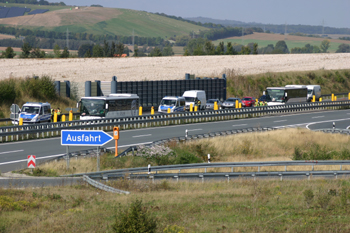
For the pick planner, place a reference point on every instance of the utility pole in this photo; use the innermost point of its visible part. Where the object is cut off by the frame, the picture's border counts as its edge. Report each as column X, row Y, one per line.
column 67, row 39
column 285, row 31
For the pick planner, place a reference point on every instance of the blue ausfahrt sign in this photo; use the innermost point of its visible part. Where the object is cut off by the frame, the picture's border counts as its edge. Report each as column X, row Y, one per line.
column 84, row 138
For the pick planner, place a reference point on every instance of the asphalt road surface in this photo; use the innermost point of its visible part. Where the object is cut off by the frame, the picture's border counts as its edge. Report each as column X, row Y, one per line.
column 13, row 155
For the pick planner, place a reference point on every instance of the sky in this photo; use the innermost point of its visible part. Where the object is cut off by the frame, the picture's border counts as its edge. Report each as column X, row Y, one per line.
column 331, row 13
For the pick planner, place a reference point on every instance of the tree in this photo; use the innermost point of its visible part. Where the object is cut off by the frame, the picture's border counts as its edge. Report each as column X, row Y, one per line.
column 220, row 49
column 88, row 53
column 209, row 48
column 343, row 48
column 245, row 50
column 156, row 52
column 324, row 46
column 255, row 48
column 37, row 53
column 97, row 51
column 168, row 51
column 9, row 53
column 26, row 50
column 112, row 50
column 105, row 48
column 65, row 53
column 136, row 49
column 282, row 46
column 57, row 51
column 120, row 49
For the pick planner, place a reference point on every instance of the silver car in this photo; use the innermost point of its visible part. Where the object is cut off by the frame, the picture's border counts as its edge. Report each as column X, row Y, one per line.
column 210, row 103
column 230, row 103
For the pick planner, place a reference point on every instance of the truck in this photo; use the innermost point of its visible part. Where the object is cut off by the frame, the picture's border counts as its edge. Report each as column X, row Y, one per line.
column 32, row 112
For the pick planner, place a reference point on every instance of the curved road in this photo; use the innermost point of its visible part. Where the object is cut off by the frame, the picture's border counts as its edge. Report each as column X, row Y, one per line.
column 13, row 155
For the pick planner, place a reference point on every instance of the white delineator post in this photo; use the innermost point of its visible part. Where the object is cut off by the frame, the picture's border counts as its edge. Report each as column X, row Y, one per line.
column 149, row 169
column 208, row 158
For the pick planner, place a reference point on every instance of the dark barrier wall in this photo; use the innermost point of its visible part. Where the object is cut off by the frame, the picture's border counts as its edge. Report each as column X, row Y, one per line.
column 152, row 92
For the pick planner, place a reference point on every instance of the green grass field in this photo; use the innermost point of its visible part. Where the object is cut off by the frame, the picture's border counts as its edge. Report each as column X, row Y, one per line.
column 291, row 44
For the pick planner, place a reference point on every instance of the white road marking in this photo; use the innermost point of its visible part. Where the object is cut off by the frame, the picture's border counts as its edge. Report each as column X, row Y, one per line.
column 25, row 160
column 139, row 136
column 280, row 121
column 317, row 117
column 194, row 130
column 8, row 152
column 239, row 125
column 312, row 123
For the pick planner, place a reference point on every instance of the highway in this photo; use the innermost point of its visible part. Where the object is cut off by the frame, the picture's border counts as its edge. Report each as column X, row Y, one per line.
column 13, row 155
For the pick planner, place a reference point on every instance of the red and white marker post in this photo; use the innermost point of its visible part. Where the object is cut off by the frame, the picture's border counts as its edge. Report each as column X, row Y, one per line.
column 31, row 161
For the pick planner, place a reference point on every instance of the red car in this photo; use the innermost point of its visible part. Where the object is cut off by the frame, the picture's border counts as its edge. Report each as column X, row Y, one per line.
column 248, row 101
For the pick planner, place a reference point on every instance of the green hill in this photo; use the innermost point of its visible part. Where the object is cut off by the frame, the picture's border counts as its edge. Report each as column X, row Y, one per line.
column 101, row 21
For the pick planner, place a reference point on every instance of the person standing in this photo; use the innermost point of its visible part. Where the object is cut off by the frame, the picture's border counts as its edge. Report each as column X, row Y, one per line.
column 58, row 114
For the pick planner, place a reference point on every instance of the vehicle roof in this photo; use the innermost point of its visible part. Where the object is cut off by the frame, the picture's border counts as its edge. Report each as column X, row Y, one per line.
column 112, row 97
column 287, row 88
column 36, row 104
column 173, row 97
column 233, row 98
column 248, row 97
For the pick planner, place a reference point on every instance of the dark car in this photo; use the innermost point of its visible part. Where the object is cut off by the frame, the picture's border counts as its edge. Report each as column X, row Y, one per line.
column 210, row 103
column 230, row 103
column 248, row 101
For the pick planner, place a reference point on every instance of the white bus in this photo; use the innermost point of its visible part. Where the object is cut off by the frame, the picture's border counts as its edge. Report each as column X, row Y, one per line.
column 112, row 106
column 286, row 95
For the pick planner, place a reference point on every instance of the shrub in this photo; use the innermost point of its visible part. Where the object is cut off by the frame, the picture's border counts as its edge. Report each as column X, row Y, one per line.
column 309, row 196
column 174, row 229
column 7, row 91
column 135, row 218
column 323, row 200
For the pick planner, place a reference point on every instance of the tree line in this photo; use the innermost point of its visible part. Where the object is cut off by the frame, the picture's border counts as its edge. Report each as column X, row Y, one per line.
column 34, row 2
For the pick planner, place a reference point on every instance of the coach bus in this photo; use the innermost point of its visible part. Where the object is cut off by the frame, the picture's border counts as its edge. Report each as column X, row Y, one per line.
column 286, row 95
column 111, row 106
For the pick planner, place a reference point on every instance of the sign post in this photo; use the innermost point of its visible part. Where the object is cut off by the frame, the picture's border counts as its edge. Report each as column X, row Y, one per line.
column 84, row 138
column 31, row 162
column 116, row 137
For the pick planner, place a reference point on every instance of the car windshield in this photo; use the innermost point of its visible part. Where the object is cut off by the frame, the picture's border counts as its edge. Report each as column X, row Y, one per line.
column 31, row 109
column 212, row 101
column 92, row 107
column 231, row 100
column 309, row 91
column 247, row 99
column 168, row 102
column 190, row 99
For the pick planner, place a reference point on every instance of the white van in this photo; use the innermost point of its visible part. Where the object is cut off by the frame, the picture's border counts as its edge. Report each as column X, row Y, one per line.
column 312, row 90
column 193, row 96
column 34, row 112
column 174, row 103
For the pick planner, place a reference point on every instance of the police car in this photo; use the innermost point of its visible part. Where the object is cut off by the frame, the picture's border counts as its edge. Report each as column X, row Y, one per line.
column 34, row 112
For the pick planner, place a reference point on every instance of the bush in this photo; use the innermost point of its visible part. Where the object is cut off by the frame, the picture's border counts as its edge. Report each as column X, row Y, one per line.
column 309, row 196
column 135, row 218
column 7, row 91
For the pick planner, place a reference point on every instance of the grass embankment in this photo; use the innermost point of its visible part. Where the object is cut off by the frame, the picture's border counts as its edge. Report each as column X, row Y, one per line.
column 280, row 145
column 238, row 206
column 20, row 91
column 331, row 81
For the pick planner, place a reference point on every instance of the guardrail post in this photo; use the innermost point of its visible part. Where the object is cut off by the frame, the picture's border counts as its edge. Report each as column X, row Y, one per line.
column 336, row 175
column 253, row 175
column 259, row 169
column 281, row 176
column 152, row 177
column 308, row 176
column 177, row 178
column 285, row 168
column 228, row 178
column 341, row 167
column 201, row 176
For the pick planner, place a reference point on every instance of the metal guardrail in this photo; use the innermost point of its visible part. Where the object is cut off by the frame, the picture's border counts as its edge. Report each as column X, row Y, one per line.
column 14, row 133
column 229, row 175
column 116, row 173
column 102, row 186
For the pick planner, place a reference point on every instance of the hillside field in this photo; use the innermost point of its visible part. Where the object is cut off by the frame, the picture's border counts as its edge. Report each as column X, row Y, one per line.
column 264, row 39
column 98, row 20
